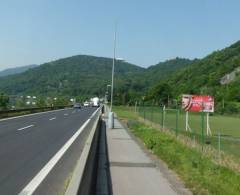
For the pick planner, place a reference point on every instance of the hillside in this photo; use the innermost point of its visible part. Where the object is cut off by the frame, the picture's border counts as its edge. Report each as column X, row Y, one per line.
column 84, row 75
column 163, row 70
column 16, row 70
column 204, row 77
column 77, row 75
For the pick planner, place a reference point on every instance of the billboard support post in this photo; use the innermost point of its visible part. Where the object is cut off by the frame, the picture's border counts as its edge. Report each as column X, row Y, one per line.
column 187, row 126
column 209, row 132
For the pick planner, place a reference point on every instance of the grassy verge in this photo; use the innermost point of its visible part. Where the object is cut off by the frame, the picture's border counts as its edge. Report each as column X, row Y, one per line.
column 199, row 173
column 227, row 126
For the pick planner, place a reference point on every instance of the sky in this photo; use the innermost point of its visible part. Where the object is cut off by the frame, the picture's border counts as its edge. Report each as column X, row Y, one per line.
column 148, row 31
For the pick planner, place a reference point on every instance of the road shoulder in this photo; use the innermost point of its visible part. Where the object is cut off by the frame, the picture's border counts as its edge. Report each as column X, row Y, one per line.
column 134, row 170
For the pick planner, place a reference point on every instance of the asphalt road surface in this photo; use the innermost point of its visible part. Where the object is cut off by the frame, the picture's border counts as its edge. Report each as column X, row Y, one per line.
column 28, row 143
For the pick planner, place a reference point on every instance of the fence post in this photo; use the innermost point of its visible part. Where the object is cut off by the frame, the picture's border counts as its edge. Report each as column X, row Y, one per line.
column 139, row 107
column 135, row 107
column 163, row 115
column 160, row 121
column 219, row 146
column 202, row 121
column 152, row 115
column 144, row 116
column 177, row 115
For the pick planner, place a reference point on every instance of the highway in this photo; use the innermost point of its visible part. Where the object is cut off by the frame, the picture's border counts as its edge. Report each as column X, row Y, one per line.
column 28, row 143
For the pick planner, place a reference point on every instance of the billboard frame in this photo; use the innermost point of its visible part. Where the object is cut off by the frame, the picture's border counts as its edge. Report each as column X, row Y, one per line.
column 188, row 107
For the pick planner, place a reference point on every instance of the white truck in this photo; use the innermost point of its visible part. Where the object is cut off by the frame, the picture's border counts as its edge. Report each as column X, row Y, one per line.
column 95, row 102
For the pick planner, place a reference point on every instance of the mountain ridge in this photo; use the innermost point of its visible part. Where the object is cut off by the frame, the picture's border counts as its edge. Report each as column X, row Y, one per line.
column 16, row 70
column 79, row 75
column 203, row 77
column 85, row 75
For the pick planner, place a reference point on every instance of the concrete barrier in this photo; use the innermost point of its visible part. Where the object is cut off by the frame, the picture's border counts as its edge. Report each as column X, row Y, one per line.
column 82, row 181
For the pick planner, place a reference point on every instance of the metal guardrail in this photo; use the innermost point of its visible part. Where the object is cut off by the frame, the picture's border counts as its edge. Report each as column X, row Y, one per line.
column 83, row 175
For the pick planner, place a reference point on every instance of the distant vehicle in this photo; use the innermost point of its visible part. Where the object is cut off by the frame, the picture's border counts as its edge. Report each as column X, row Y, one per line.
column 95, row 102
column 77, row 105
column 86, row 104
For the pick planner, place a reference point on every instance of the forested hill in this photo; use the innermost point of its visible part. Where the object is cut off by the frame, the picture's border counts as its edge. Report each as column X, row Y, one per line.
column 77, row 75
column 16, row 70
column 217, row 74
column 204, row 76
column 84, row 75
column 164, row 70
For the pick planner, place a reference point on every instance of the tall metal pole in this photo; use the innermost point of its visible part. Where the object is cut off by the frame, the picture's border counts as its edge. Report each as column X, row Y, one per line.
column 114, row 56
column 111, row 115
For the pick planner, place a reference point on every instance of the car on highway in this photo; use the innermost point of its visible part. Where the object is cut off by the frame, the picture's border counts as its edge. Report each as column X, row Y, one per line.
column 86, row 104
column 77, row 106
column 95, row 102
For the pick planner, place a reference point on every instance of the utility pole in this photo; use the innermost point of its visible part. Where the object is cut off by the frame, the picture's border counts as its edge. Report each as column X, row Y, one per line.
column 113, row 65
column 111, row 115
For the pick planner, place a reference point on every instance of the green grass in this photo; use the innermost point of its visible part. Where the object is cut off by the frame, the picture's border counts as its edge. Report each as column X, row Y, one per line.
column 199, row 173
column 226, row 125
column 125, row 112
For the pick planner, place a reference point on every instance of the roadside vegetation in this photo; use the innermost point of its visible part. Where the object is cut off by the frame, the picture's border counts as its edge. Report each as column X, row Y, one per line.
column 200, row 173
column 225, row 126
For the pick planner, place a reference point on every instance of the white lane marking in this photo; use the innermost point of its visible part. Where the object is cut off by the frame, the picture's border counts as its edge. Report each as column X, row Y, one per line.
column 20, row 129
column 26, row 115
column 37, row 180
column 66, row 114
column 94, row 113
column 52, row 118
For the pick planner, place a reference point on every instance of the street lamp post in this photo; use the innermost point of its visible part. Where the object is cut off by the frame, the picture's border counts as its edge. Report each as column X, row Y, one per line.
column 113, row 66
column 108, row 86
column 111, row 115
column 106, row 94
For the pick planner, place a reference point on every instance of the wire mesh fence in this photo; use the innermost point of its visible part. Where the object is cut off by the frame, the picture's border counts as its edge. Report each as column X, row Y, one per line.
column 221, row 133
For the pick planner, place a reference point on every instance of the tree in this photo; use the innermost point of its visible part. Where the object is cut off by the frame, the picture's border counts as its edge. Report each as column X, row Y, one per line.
column 41, row 102
column 61, row 101
column 4, row 101
column 161, row 94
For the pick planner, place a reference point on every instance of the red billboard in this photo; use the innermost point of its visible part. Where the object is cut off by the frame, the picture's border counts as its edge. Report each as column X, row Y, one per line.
column 198, row 103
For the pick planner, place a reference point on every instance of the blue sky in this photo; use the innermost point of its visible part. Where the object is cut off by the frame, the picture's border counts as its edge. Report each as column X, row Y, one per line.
column 149, row 31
